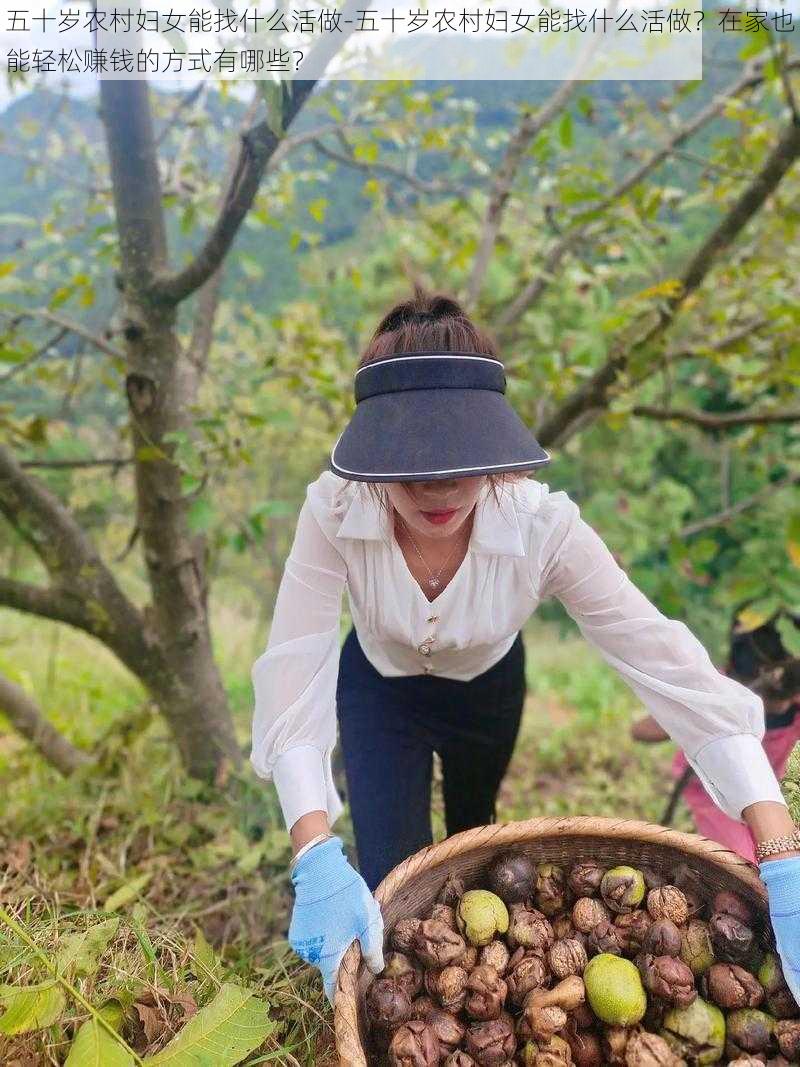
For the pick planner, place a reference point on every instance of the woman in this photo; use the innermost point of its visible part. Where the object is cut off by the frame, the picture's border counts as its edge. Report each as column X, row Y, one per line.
column 445, row 552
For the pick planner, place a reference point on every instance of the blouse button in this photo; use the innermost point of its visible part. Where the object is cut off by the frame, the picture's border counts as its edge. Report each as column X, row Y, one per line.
column 424, row 650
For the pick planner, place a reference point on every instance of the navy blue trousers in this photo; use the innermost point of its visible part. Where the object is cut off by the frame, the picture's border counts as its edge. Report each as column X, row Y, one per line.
column 389, row 729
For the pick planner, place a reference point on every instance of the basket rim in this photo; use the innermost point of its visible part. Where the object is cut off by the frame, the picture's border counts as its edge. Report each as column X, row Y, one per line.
column 506, row 835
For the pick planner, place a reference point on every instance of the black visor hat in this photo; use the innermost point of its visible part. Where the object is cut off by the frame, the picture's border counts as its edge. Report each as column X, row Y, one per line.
column 421, row 416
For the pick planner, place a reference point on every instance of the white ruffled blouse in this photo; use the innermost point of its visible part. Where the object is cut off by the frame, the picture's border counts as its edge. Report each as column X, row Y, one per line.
column 531, row 545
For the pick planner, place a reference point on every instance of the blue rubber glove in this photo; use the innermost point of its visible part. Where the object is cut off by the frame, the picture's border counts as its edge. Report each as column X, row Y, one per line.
column 332, row 908
column 782, row 879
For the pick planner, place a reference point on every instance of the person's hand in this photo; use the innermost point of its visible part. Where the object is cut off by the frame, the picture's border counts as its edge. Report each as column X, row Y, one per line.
column 333, row 907
column 782, row 879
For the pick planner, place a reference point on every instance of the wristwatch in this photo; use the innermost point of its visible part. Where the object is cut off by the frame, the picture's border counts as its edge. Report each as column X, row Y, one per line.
column 773, row 846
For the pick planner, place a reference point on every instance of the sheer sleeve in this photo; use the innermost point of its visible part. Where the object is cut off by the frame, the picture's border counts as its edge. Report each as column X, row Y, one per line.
column 718, row 722
column 294, row 679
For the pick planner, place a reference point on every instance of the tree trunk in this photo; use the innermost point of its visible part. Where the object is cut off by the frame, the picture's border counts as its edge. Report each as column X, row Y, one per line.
column 161, row 390
column 25, row 716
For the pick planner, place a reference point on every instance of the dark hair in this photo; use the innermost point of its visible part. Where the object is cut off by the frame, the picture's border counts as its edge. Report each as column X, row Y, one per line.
column 428, row 321
column 759, row 659
column 431, row 322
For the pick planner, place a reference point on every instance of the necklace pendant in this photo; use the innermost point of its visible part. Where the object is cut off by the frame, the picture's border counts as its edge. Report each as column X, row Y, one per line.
column 434, row 583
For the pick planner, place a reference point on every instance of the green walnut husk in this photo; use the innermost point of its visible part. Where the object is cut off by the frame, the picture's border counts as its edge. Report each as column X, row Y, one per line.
column 750, row 1029
column 697, row 952
column 697, row 1033
column 770, row 973
column 480, row 916
column 614, row 990
column 622, row 889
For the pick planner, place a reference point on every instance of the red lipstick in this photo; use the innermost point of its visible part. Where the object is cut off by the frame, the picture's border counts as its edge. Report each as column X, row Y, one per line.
column 439, row 518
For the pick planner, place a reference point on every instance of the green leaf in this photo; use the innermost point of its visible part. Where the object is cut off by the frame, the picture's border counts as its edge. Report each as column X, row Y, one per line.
column 565, row 130
column 790, row 635
column 83, row 950
column 206, row 957
column 759, row 42
column 201, row 515
column 316, row 208
column 95, row 1047
column 757, row 614
column 126, row 893
column 30, row 1007
column 221, row 1034
column 703, row 551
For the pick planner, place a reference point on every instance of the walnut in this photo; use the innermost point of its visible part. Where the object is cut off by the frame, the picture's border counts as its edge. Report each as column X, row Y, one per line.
column 497, row 955
column 448, row 986
column 436, row 944
column 529, row 928
column 388, row 1004
column 615, row 1043
column 448, row 1029
column 649, row 1050
column 584, row 1045
column 727, row 903
column 491, row 1044
column 564, row 927
column 670, row 979
column 605, row 937
column 469, row 958
column 567, row 957
column 527, row 973
column 587, row 912
column 402, row 934
column 569, row 994
column 445, row 914
column 414, row 1045
column 544, row 1022
column 668, row 902
column 404, row 972
column 732, row 939
column 730, row 986
column 787, row 1031
column 459, row 1059
column 662, row 939
column 550, row 890
column 422, row 1007
column 556, row 1052
column 584, row 879
column 486, row 993
column 633, row 927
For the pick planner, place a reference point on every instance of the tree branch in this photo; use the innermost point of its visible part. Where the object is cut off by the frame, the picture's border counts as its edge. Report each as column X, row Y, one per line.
column 593, row 394
column 535, row 289
column 95, row 602
column 77, row 328
column 26, row 717
column 209, row 293
column 68, row 464
column 60, row 604
column 418, row 184
column 255, row 151
column 725, row 516
column 529, row 128
column 709, row 421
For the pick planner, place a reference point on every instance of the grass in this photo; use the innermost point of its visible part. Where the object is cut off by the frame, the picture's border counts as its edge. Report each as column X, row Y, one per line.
column 197, row 877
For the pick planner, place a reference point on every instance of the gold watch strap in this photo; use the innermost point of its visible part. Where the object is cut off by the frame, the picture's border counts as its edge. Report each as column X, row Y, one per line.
column 775, row 845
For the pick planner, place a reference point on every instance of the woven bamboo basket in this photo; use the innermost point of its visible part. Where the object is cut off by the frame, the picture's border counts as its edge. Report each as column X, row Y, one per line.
column 411, row 888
